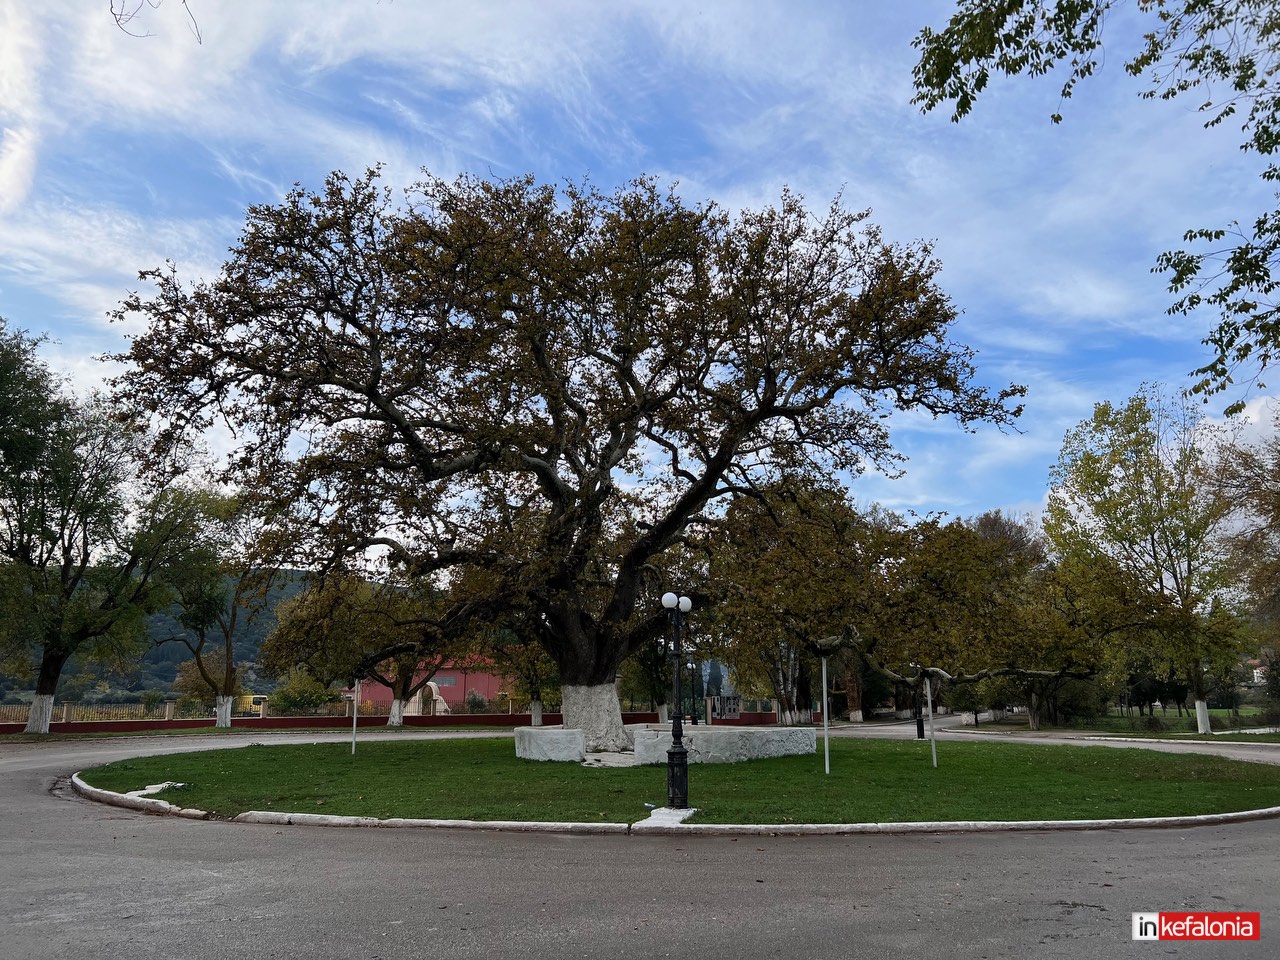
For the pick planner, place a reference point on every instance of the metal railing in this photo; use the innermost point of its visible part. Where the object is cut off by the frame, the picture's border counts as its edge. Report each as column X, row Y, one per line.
column 14, row 712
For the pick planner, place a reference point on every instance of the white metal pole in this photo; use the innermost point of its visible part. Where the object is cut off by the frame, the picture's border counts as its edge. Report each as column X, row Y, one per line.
column 826, row 718
column 355, row 715
column 933, row 742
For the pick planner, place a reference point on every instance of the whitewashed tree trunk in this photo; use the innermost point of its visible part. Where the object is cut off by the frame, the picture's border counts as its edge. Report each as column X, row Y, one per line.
column 535, row 713
column 794, row 716
column 223, row 706
column 396, row 717
column 40, row 715
column 595, row 711
column 1202, row 717
column 855, row 716
column 663, row 714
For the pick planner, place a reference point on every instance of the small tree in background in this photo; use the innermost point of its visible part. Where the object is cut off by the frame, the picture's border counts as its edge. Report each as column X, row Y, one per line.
column 1131, row 484
column 345, row 628
column 191, row 685
column 790, row 569
column 220, row 589
column 85, row 544
column 301, row 693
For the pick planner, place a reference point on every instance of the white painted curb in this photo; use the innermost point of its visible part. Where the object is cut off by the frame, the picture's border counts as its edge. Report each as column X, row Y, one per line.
column 281, row 818
column 951, row 826
column 664, row 821
column 145, row 804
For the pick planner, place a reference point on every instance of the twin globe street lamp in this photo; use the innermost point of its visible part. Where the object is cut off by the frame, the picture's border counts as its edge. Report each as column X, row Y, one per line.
column 677, row 756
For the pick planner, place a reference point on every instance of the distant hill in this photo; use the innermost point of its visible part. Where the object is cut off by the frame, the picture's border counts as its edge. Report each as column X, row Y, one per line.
column 159, row 665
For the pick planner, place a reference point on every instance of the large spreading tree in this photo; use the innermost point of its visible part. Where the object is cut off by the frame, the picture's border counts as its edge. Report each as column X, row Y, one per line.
column 546, row 384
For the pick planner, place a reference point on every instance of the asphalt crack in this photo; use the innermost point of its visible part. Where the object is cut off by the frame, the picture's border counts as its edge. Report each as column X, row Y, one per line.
column 61, row 789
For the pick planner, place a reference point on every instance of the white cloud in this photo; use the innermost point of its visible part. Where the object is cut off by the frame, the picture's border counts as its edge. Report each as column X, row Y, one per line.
column 120, row 152
column 17, row 166
column 20, row 59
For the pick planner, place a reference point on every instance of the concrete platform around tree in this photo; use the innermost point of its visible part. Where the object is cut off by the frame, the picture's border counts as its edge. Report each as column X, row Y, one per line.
column 726, row 744
column 550, row 743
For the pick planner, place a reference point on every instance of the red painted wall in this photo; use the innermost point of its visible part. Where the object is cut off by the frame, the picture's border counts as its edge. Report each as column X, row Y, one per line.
column 749, row 720
column 308, row 723
column 487, row 685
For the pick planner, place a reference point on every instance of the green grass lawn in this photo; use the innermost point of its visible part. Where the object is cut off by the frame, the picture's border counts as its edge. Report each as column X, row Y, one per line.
column 1161, row 726
column 1232, row 737
column 870, row 781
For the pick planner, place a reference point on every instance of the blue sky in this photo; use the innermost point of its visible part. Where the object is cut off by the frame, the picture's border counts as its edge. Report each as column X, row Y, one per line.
column 120, row 152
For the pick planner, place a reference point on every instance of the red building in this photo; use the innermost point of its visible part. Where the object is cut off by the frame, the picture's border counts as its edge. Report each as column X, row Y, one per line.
column 454, row 683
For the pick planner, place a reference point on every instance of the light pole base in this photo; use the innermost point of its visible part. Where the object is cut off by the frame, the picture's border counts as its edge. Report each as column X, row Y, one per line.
column 677, row 778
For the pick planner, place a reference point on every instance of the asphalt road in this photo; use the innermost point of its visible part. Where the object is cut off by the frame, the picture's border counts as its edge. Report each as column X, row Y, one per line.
column 82, row 880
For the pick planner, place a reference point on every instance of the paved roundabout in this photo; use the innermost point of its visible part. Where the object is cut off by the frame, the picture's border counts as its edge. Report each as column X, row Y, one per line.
column 82, row 879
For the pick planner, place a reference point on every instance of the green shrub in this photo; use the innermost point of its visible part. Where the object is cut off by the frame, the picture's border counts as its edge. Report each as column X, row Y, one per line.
column 151, row 700
column 301, row 693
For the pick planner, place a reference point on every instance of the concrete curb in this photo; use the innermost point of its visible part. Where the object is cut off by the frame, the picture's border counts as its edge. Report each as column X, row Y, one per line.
column 1116, row 738
column 325, row 820
column 951, row 826
column 1024, row 736
column 145, row 804
column 664, row 821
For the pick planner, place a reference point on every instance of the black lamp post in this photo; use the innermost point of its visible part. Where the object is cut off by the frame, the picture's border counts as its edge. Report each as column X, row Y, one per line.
column 677, row 756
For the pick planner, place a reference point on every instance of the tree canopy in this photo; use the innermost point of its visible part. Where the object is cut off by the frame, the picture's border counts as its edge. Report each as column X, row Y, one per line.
column 546, row 384
column 345, row 628
column 1226, row 53
column 1132, row 484
column 83, row 551
column 796, row 573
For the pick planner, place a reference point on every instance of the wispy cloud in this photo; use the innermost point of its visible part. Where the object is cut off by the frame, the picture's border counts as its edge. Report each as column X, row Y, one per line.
column 120, row 152
column 17, row 166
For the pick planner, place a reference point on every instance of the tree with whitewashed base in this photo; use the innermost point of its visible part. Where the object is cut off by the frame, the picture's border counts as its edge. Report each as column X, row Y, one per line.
column 547, row 385
column 84, row 545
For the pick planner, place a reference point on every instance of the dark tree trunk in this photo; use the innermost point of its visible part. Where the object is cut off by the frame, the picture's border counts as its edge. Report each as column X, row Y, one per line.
column 51, row 665
column 853, row 691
